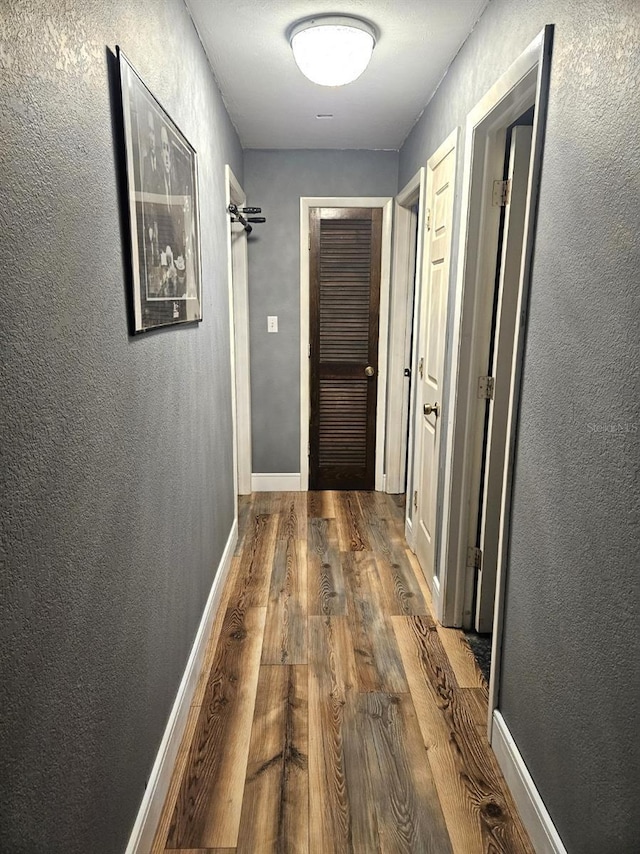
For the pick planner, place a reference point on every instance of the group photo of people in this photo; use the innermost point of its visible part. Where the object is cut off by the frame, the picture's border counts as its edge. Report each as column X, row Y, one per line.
column 164, row 210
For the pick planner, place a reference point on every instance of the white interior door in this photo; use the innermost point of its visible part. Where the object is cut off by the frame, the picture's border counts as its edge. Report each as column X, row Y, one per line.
column 505, row 327
column 431, row 345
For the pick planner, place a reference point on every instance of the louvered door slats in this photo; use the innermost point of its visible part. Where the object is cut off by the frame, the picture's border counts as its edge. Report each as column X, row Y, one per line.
column 343, row 416
column 344, row 282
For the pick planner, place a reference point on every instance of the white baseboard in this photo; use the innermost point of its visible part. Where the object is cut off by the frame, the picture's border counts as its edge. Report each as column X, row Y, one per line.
column 408, row 532
column 544, row 837
column 436, row 598
column 271, row 482
column 148, row 816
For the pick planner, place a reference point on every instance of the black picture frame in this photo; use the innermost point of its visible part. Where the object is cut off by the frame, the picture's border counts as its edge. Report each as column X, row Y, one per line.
column 162, row 195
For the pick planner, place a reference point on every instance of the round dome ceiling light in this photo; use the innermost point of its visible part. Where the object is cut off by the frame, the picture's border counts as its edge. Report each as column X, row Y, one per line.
column 332, row 50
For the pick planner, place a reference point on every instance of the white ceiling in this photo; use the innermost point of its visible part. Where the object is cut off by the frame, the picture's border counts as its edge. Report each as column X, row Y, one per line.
column 273, row 106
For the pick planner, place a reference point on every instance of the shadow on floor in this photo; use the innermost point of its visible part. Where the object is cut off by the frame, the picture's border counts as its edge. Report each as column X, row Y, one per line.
column 481, row 649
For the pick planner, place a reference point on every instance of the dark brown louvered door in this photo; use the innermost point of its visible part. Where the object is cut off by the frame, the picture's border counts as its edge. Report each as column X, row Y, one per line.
column 344, row 307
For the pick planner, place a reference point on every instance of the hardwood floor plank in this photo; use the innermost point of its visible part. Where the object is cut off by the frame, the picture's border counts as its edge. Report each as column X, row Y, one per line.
column 461, row 658
column 376, row 516
column 385, row 520
column 424, row 586
column 162, row 831
column 332, row 678
column 245, row 509
column 286, row 627
column 285, row 635
column 403, row 593
column 389, row 507
column 216, row 629
column 293, row 517
column 352, row 536
column 275, row 806
column 479, row 813
column 253, row 576
column 267, row 503
column 398, row 501
column 325, row 581
column 207, row 811
column 378, row 663
column 395, row 520
column 476, row 703
column 404, row 794
column 363, row 828
column 320, row 505
column 200, row 851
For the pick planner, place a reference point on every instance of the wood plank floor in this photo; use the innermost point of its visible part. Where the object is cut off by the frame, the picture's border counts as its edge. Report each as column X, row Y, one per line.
column 333, row 713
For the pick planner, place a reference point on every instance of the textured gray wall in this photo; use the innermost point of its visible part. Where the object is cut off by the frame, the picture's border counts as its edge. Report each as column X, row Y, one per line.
column 570, row 685
column 117, row 488
column 276, row 180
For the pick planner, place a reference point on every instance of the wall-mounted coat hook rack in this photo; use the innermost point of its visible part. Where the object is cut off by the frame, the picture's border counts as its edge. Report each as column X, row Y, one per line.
column 238, row 216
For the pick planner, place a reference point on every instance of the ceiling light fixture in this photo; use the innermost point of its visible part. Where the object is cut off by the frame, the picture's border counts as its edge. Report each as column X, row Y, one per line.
column 332, row 50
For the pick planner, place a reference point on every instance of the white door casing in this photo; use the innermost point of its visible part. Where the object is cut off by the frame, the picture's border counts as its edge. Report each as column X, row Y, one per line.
column 505, row 330
column 431, row 334
column 237, row 268
column 306, row 203
column 408, row 231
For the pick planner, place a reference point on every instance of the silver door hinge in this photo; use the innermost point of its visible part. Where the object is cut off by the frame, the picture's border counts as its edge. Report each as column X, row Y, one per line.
column 421, row 367
column 502, row 193
column 428, row 224
column 486, row 388
column 415, row 499
column 309, row 241
column 474, row 558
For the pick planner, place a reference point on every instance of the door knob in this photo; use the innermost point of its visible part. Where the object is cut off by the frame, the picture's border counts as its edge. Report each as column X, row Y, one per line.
column 430, row 409
column 369, row 371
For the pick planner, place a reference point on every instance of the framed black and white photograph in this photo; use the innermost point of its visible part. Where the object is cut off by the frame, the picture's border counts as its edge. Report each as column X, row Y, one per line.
column 162, row 189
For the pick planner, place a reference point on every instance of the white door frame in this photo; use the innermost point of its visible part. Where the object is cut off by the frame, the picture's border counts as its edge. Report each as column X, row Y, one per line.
column 484, row 526
column 526, row 82
column 238, row 273
column 306, row 203
column 408, row 232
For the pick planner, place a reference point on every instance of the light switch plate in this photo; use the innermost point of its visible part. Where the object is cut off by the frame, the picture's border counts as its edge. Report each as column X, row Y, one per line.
column 272, row 323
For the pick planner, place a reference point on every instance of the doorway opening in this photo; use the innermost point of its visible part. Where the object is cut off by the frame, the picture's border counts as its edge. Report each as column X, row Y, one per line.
column 306, row 412
column 487, row 343
column 344, row 265
column 511, row 197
